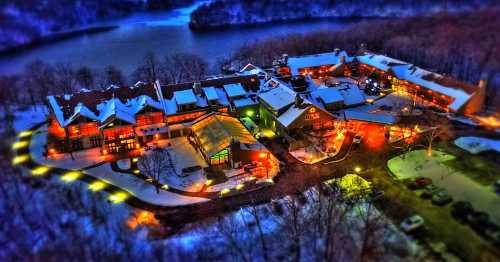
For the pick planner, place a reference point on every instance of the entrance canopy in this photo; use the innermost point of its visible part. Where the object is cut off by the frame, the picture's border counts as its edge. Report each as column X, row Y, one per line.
column 216, row 131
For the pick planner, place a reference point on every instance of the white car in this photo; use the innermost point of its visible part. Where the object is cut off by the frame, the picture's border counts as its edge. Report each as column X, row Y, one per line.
column 411, row 223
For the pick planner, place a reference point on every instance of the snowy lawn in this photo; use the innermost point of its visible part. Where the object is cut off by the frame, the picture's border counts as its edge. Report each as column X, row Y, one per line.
column 141, row 189
column 26, row 119
column 308, row 156
column 457, row 184
column 476, row 145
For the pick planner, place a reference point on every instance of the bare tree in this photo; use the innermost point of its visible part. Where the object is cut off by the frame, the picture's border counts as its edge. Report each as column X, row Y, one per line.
column 154, row 164
column 65, row 78
column 85, row 77
column 112, row 75
column 183, row 67
column 435, row 126
column 149, row 70
column 39, row 79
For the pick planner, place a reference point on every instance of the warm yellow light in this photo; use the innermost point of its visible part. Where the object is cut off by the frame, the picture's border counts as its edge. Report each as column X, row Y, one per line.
column 118, row 197
column 251, row 178
column 239, row 186
column 370, row 100
column 20, row 159
column 357, row 169
column 209, row 182
column 165, row 187
column 40, row 170
column 134, row 160
column 97, row 185
column 25, row 133
column 137, row 171
column 19, row 144
column 71, row 176
column 225, row 191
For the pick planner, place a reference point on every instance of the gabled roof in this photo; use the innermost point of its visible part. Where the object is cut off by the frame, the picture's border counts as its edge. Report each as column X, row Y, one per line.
column 299, row 62
column 328, row 95
column 278, row 97
column 234, row 90
column 184, row 97
column 210, row 93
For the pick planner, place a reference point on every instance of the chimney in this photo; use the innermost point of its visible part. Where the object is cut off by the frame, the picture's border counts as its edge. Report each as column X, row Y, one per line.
column 284, row 59
column 298, row 100
column 336, row 51
column 197, row 88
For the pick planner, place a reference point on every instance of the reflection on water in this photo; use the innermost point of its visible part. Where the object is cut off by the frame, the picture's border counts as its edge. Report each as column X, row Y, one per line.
column 161, row 32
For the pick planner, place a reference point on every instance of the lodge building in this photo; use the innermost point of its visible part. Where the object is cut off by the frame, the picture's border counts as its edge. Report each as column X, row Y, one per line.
column 290, row 98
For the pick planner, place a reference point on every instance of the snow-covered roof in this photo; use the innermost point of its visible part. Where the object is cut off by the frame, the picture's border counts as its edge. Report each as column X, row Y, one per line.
column 234, row 90
column 299, row 62
column 385, row 119
column 328, row 95
column 381, row 62
column 351, row 93
column 210, row 93
column 278, row 97
column 238, row 103
column 291, row 114
column 418, row 76
column 184, row 97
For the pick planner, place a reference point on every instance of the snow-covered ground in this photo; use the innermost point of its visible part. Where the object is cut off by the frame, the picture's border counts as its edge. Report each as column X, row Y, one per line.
column 239, row 235
column 309, row 156
column 458, row 185
column 26, row 118
column 476, row 145
column 80, row 159
column 141, row 189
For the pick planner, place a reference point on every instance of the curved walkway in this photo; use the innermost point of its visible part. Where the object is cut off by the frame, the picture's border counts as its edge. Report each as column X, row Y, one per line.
column 132, row 200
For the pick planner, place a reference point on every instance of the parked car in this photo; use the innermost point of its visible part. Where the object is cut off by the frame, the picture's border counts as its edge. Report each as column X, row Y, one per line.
column 412, row 223
column 429, row 191
column 441, row 198
column 461, row 209
column 479, row 221
column 191, row 169
column 420, row 182
column 357, row 139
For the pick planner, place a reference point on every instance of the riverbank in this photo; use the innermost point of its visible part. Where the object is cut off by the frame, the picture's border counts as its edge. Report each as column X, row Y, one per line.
column 54, row 38
column 226, row 13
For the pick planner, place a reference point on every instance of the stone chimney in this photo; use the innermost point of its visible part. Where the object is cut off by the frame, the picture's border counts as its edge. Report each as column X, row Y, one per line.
column 197, row 88
column 336, row 51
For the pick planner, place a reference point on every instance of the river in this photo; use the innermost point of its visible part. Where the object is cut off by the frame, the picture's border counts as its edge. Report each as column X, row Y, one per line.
column 163, row 33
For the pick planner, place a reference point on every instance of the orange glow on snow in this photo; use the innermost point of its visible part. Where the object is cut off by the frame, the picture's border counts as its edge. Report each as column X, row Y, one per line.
column 142, row 218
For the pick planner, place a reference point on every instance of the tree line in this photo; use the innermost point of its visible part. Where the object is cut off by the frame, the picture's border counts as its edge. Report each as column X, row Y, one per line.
column 465, row 45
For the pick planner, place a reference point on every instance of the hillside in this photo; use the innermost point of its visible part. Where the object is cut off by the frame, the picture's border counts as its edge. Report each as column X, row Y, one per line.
column 222, row 13
column 22, row 22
